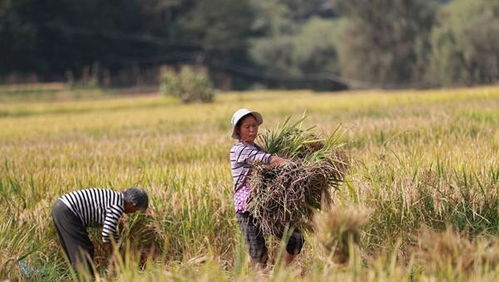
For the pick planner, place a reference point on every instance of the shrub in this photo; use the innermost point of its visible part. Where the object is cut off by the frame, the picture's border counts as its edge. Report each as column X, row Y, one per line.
column 190, row 84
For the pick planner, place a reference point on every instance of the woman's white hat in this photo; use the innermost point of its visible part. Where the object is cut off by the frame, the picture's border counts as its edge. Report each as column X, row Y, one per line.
column 239, row 114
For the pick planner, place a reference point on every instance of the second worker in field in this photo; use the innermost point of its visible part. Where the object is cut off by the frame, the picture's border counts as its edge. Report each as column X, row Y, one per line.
column 75, row 211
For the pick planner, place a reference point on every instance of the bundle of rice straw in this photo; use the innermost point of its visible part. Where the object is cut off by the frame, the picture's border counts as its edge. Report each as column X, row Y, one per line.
column 339, row 228
column 287, row 196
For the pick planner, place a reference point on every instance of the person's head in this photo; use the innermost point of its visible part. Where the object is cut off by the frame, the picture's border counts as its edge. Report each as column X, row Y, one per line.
column 245, row 125
column 135, row 199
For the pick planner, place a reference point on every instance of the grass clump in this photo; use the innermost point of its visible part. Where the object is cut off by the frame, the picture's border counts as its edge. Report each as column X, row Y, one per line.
column 287, row 196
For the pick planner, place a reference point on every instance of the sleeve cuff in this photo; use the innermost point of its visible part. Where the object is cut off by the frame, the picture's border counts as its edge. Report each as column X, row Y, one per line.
column 267, row 159
column 106, row 240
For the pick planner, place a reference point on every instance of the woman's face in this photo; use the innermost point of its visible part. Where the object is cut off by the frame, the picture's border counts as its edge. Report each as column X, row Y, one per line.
column 248, row 129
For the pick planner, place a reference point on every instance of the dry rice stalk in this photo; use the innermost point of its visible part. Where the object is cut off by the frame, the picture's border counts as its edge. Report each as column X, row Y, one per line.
column 287, row 196
column 144, row 236
column 450, row 248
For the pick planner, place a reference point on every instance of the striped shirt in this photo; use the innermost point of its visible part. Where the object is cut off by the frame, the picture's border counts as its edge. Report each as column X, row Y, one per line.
column 242, row 157
column 97, row 207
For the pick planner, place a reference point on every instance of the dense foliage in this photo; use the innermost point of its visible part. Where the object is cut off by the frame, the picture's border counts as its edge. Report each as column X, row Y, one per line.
column 320, row 44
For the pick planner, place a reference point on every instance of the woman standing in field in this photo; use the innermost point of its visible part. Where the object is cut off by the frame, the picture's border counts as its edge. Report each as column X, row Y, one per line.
column 243, row 155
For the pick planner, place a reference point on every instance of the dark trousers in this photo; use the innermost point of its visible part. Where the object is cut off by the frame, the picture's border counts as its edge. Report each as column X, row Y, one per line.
column 74, row 237
column 255, row 239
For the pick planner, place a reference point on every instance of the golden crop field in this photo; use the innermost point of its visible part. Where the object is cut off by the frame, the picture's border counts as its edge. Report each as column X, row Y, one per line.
column 424, row 169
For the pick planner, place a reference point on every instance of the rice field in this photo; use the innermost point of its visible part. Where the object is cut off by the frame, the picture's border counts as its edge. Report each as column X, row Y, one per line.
column 422, row 190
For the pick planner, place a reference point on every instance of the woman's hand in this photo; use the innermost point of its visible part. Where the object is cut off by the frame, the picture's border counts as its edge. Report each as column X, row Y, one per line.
column 108, row 249
column 276, row 161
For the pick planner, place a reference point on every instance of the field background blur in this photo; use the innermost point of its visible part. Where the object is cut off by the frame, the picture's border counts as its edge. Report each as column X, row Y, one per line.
column 313, row 44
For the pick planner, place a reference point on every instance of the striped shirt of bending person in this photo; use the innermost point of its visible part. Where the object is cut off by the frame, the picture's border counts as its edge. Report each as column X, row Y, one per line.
column 242, row 157
column 97, row 207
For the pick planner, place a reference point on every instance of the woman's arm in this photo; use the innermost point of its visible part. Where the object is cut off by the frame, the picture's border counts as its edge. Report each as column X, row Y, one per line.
column 250, row 155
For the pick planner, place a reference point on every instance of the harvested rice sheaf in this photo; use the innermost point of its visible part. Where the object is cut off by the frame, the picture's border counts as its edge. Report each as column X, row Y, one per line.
column 288, row 196
column 339, row 228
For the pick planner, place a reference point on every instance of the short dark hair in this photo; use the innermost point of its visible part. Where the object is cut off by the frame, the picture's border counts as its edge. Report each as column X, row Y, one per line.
column 136, row 196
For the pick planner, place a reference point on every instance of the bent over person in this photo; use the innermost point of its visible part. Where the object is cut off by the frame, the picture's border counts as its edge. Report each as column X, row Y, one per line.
column 95, row 207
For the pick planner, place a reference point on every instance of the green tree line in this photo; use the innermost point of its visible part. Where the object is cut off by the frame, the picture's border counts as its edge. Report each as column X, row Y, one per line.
column 321, row 44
